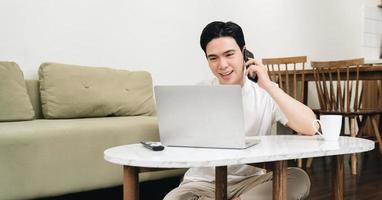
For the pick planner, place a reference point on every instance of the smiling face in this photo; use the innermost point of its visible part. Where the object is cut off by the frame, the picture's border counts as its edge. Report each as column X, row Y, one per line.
column 226, row 61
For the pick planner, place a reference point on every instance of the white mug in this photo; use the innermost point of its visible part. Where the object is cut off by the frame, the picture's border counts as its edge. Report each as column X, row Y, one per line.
column 330, row 126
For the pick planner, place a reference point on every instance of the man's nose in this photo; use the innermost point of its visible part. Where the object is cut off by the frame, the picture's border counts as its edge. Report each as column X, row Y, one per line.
column 223, row 63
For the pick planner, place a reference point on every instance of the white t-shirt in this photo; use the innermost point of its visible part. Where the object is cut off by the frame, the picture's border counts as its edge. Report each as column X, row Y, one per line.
column 260, row 112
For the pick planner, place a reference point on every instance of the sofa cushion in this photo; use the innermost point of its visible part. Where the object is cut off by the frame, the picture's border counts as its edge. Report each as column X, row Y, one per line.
column 15, row 104
column 33, row 89
column 72, row 91
column 52, row 157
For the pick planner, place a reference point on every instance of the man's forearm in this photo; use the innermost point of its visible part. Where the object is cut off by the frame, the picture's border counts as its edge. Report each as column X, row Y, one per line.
column 300, row 117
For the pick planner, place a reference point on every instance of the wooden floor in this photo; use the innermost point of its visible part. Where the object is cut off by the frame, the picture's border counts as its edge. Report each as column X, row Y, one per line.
column 367, row 185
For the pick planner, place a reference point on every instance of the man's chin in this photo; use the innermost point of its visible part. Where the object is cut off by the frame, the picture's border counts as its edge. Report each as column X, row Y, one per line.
column 226, row 82
column 230, row 81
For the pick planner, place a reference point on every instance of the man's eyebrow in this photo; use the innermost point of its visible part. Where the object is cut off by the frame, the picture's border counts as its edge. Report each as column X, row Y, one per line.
column 228, row 51
column 211, row 55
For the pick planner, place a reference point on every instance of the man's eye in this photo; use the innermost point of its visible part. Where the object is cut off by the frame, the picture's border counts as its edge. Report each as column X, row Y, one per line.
column 212, row 59
column 230, row 54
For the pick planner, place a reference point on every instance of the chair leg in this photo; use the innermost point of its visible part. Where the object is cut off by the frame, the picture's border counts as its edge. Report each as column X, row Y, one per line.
column 377, row 132
column 353, row 156
column 309, row 163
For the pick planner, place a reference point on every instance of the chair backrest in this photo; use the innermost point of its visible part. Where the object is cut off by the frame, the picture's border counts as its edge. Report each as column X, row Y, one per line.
column 336, row 89
column 283, row 71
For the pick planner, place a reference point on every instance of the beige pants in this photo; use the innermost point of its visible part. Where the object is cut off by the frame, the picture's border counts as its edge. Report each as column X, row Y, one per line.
column 259, row 188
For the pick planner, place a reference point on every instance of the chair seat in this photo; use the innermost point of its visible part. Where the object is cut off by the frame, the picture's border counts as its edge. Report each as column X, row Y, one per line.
column 350, row 113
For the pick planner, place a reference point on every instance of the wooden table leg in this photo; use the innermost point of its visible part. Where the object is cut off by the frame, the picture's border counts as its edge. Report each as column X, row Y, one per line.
column 338, row 177
column 377, row 132
column 280, row 176
column 221, row 183
column 130, row 183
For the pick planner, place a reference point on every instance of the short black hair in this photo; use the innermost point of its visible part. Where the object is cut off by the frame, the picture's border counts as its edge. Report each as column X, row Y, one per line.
column 218, row 29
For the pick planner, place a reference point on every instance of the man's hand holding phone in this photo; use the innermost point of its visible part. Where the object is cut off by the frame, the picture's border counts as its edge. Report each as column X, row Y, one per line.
column 256, row 66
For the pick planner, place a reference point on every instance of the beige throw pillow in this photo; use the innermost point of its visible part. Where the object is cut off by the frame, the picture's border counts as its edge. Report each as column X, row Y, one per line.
column 15, row 104
column 71, row 91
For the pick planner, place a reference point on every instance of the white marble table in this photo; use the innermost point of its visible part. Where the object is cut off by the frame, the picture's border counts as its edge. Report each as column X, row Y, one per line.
column 135, row 158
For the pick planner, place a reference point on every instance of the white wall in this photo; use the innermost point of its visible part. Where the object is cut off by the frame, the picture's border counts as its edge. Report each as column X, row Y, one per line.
column 163, row 36
column 372, row 30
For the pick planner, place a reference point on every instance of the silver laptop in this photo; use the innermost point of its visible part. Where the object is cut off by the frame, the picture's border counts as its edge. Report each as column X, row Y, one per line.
column 201, row 116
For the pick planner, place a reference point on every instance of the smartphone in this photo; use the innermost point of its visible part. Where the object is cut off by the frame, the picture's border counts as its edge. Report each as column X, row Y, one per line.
column 247, row 56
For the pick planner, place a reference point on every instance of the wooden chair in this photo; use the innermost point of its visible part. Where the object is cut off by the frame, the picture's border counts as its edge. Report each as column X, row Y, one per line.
column 340, row 94
column 289, row 84
column 289, row 80
column 373, row 90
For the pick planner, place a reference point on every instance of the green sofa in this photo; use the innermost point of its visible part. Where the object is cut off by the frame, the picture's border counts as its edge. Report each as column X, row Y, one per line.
column 49, row 156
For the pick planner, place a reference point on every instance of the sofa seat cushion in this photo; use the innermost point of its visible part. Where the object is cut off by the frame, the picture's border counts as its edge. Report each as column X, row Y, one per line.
column 72, row 91
column 15, row 104
column 52, row 157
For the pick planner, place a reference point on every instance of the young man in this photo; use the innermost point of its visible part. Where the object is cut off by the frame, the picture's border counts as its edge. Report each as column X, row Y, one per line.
column 264, row 103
